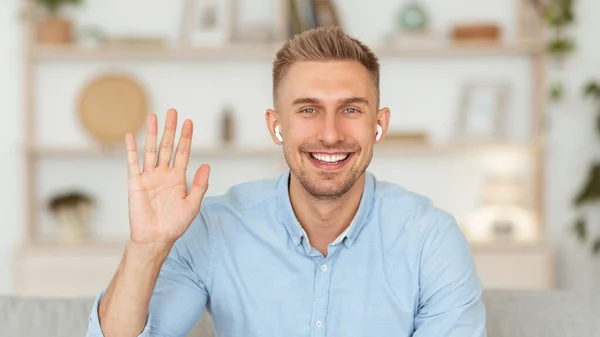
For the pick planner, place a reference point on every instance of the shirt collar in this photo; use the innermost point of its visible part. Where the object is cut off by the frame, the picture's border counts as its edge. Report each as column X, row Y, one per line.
column 296, row 232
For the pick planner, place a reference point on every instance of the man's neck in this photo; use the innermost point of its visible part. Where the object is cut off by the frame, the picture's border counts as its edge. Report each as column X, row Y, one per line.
column 324, row 220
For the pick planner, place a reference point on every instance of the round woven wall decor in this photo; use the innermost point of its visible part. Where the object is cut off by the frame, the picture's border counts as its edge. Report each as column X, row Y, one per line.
column 112, row 105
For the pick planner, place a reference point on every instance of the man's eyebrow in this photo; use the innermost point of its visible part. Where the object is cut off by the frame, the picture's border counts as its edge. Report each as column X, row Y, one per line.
column 352, row 100
column 343, row 101
column 306, row 100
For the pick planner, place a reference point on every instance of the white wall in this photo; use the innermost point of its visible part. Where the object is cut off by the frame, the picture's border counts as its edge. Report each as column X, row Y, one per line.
column 11, row 202
column 441, row 77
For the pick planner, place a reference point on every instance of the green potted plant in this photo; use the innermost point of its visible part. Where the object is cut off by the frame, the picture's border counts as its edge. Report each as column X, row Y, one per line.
column 559, row 16
column 589, row 192
column 53, row 27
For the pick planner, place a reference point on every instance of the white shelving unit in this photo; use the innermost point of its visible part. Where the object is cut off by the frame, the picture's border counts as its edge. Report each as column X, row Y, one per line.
column 534, row 148
column 36, row 55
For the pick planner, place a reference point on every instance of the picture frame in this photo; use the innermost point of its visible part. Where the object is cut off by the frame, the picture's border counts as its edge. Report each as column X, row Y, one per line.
column 208, row 22
column 483, row 111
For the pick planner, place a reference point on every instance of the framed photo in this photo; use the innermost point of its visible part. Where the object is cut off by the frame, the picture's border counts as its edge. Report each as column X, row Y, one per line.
column 482, row 114
column 207, row 22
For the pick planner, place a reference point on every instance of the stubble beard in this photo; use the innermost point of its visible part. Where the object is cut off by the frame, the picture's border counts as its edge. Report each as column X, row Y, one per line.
column 319, row 184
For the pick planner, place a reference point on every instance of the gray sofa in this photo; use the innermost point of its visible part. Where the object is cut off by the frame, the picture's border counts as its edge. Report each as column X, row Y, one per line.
column 509, row 314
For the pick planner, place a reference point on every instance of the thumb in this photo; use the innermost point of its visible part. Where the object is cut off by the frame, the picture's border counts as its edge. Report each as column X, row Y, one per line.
column 199, row 186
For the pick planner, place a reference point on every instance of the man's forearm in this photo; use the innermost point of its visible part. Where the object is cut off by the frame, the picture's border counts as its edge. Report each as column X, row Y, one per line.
column 124, row 307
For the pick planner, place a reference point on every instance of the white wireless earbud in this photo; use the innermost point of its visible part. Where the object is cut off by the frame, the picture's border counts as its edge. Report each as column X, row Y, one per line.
column 278, row 134
column 379, row 133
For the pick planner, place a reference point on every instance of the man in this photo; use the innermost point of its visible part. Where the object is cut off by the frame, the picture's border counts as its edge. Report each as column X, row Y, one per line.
column 323, row 250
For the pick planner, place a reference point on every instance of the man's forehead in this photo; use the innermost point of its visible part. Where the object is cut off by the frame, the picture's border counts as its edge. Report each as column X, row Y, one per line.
column 328, row 79
column 323, row 66
column 305, row 78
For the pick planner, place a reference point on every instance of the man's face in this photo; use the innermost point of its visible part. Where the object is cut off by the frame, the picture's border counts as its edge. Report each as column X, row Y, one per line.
column 327, row 111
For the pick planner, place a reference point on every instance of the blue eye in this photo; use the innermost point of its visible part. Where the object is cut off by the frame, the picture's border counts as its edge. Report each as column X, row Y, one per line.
column 351, row 110
column 308, row 110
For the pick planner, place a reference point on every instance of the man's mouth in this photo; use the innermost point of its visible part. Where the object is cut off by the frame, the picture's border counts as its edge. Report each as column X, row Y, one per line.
column 329, row 158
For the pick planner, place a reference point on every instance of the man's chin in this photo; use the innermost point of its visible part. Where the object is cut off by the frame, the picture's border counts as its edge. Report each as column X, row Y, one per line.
column 328, row 185
column 322, row 194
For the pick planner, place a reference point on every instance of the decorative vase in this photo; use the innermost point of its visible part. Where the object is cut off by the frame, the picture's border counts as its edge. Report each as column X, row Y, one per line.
column 73, row 224
column 227, row 126
column 413, row 17
column 72, row 213
column 54, row 29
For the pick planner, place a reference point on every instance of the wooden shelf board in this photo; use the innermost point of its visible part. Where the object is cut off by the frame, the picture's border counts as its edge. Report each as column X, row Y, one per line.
column 233, row 51
column 386, row 149
column 266, row 52
column 49, row 247
column 509, row 246
column 223, row 151
column 463, row 49
column 452, row 148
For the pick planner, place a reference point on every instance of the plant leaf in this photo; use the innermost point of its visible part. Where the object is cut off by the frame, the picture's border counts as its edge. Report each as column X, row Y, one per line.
column 556, row 92
column 580, row 229
column 54, row 5
column 591, row 89
column 591, row 189
column 561, row 45
column 560, row 13
column 596, row 246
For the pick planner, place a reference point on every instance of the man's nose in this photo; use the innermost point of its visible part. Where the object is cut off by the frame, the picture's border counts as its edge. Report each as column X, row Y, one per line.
column 330, row 130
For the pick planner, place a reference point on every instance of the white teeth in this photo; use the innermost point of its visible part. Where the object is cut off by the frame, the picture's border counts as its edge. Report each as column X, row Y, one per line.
column 330, row 158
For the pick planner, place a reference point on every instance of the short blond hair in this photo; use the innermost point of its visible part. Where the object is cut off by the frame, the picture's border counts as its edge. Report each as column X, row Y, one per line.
column 324, row 44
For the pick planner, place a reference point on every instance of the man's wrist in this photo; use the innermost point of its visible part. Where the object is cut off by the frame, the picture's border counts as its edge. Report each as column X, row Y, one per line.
column 147, row 254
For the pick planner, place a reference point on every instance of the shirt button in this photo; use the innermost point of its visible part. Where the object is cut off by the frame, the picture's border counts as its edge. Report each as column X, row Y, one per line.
column 324, row 267
column 319, row 324
column 295, row 239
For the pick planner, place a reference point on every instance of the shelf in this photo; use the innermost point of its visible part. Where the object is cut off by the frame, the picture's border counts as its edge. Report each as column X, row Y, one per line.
column 509, row 246
column 267, row 52
column 224, row 151
column 227, row 52
column 93, row 247
column 454, row 148
column 387, row 149
column 463, row 49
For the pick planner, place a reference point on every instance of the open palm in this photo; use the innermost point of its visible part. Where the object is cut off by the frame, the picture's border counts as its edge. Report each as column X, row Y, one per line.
column 160, row 206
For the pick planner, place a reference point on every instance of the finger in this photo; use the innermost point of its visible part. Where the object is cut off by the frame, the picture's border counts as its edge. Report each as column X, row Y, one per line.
column 199, row 186
column 165, row 150
column 150, row 146
column 132, row 156
column 182, row 154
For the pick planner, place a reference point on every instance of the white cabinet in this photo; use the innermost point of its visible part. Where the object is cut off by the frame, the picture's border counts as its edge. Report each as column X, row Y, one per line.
column 66, row 271
column 515, row 265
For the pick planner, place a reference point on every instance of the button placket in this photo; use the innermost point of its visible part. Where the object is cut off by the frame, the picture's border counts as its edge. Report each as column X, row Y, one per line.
column 322, row 286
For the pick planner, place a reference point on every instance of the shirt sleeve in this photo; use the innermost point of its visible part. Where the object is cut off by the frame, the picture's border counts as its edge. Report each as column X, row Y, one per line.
column 450, row 292
column 180, row 294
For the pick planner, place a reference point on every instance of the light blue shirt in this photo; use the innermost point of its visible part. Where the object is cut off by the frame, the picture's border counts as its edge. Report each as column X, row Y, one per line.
column 403, row 268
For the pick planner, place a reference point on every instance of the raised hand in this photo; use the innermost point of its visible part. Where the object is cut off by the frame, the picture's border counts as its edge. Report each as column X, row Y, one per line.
column 160, row 206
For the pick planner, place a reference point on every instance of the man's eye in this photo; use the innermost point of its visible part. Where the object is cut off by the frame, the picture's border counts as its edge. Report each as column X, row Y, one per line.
column 308, row 110
column 351, row 110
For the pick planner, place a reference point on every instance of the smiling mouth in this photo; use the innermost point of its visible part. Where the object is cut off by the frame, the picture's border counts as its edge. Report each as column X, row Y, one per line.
column 330, row 158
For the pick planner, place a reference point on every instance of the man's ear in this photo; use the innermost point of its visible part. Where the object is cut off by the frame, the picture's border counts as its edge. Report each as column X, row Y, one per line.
column 383, row 120
column 272, row 119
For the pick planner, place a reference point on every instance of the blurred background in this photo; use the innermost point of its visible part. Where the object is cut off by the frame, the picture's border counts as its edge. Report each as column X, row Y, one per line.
column 494, row 117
